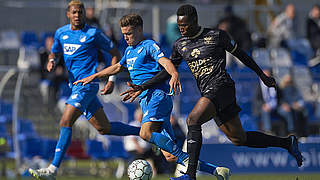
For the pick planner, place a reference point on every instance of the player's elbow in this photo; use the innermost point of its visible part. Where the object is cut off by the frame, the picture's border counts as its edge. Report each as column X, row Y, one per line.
column 145, row 135
column 238, row 141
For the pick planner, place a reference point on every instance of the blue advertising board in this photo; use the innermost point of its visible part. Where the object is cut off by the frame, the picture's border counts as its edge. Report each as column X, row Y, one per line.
column 261, row 160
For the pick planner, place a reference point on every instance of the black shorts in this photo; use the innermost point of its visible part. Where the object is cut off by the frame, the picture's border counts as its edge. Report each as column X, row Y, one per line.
column 224, row 98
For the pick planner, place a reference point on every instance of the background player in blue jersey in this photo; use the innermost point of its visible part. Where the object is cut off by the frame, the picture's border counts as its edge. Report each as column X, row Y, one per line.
column 79, row 44
column 143, row 58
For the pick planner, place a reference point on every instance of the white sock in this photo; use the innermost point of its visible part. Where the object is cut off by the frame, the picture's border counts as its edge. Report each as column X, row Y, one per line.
column 53, row 168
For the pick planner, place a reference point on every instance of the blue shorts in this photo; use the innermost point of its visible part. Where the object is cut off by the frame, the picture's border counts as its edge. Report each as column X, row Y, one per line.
column 85, row 99
column 156, row 106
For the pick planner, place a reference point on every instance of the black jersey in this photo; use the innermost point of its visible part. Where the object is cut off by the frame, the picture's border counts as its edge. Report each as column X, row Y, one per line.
column 205, row 54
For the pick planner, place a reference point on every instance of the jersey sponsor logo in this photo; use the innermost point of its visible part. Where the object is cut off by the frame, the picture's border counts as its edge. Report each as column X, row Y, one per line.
column 65, row 37
column 160, row 55
column 195, row 53
column 130, row 62
column 156, row 46
column 83, row 39
column 200, row 67
column 139, row 51
column 69, row 49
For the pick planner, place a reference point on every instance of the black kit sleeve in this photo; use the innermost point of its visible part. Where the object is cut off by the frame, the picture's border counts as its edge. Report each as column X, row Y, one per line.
column 163, row 75
column 231, row 46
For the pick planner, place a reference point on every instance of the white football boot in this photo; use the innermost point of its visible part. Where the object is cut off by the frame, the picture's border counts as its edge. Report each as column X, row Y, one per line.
column 222, row 173
column 43, row 174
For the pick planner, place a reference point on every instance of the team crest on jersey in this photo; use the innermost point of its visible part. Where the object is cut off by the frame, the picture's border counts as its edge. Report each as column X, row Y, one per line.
column 130, row 62
column 195, row 53
column 69, row 49
column 65, row 37
column 83, row 39
column 208, row 40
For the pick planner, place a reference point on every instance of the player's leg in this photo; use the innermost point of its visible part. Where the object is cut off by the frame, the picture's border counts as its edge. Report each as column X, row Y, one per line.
column 234, row 131
column 70, row 115
column 202, row 112
column 150, row 131
column 156, row 108
column 100, row 121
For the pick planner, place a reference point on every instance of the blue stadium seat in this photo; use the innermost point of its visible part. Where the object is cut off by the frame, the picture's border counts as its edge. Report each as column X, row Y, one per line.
column 26, row 129
column 96, row 150
column 116, row 150
column 3, row 130
column 43, row 37
column 29, row 38
column 31, row 147
column 6, row 110
column 298, row 58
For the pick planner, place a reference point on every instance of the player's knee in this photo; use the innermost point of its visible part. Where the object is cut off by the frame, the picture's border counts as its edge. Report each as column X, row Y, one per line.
column 103, row 130
column 170, row 158
column 192, row 119
column 65, row 123
column 145, row 135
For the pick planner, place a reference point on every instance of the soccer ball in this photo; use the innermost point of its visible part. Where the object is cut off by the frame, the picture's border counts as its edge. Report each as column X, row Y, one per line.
column 140, row 170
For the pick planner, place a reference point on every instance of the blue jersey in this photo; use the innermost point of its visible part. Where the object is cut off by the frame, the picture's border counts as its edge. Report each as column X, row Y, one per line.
column 80, row 49
column 142, row 62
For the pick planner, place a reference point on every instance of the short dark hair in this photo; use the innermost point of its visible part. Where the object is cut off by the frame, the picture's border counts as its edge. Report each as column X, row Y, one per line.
column 187, row 10
column 75, row 3
column 134, row 20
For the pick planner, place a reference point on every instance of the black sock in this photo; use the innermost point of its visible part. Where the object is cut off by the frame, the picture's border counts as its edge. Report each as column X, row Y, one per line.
column 260, row 140
column 194, row 142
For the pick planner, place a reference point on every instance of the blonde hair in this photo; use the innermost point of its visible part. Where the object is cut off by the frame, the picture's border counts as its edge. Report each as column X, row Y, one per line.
column 75, row 3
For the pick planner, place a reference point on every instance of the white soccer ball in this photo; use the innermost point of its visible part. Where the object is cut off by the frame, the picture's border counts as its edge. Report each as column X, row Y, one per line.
column 140, row 170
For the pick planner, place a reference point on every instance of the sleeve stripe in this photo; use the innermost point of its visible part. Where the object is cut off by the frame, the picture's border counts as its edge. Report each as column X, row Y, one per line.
column 235, row 47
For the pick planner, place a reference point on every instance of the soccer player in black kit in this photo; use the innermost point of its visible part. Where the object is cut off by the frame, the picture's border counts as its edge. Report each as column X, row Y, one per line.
column 204, row 51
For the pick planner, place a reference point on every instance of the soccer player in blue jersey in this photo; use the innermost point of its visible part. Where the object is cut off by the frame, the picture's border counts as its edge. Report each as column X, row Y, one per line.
column 143, row 58
column 79, row 44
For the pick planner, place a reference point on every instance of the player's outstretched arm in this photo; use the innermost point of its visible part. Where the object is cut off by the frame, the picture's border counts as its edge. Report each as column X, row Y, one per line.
column 111, row 70
column 248, row 61
column 175, row 85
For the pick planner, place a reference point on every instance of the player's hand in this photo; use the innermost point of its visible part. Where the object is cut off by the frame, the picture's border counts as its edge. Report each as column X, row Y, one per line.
column 268, row 81
column 175, row 86
column 108, row 88
column 51, row 65
column 132, row 93
column 85, row 81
